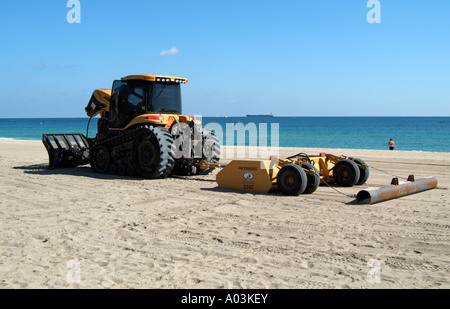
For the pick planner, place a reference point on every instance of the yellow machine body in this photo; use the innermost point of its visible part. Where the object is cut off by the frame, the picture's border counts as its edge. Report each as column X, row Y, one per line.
column 157, row 78
column 249, row 175
column 262, row 176
column 165, row 120
column 323, row 163
column 141, row 130
column 100, row 104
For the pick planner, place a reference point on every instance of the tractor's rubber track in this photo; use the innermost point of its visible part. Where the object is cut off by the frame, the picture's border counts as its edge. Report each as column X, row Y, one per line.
column 123, row 157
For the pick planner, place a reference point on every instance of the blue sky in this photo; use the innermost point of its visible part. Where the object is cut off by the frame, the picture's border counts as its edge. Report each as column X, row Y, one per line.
column 300, row 57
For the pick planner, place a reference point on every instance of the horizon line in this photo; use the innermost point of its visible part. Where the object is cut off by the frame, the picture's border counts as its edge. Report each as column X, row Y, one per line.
column 243, row 116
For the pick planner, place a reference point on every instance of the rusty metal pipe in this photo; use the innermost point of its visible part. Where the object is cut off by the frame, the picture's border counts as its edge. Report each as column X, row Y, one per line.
column 381, row 194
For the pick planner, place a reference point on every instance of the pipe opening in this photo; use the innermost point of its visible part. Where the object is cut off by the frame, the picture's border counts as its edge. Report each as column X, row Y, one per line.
column 364, row 197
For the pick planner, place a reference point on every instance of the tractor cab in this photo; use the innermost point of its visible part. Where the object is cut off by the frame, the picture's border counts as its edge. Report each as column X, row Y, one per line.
column 136, row 95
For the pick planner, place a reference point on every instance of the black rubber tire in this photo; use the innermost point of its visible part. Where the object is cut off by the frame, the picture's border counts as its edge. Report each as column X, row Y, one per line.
column 364, row 174
column 100, row 159
column 152, row 153
column 292, row 180
column 313, row 181
column 211, row 150
column 346, row 173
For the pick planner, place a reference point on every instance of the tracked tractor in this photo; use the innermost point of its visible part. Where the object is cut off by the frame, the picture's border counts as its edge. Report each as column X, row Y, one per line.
column 141, row 131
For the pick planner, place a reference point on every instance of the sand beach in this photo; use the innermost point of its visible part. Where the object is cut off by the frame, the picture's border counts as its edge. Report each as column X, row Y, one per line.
column 73, row 228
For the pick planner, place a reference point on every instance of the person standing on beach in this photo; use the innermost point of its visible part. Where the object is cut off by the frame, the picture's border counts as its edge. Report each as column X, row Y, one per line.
column 391, row 144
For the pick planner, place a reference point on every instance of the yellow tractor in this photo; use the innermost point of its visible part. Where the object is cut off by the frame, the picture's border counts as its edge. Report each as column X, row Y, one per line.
column 141, row 131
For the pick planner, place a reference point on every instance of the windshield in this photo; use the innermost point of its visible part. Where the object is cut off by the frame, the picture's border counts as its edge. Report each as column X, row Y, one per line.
column 164, row 98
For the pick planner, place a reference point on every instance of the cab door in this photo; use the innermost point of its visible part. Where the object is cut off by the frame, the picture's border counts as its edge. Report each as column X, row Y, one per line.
column 128, row 100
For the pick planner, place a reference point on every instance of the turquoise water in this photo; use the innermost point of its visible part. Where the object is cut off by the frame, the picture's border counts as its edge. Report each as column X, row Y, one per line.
column 409, row 133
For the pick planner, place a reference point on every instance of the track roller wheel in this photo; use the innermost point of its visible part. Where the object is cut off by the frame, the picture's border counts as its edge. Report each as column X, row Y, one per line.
column 346, row 173
column 100, row 159
column 364, row 173
column 121, row 169
column 292, row 180
column 112, row 168
column 313, row 181
column 130, row 170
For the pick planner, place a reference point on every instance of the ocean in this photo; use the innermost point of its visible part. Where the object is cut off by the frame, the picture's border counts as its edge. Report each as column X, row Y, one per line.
column 409, row 133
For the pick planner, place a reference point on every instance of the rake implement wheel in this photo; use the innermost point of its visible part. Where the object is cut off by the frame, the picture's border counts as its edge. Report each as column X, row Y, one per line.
column 346, row 173
column 313, row 181
column 292, row 180
column 364, row 173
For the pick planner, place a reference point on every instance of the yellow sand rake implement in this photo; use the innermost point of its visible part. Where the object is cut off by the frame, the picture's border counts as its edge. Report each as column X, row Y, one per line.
column 298, row 174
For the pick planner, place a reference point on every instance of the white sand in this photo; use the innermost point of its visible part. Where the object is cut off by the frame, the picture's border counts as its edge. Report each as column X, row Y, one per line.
column 72, row 228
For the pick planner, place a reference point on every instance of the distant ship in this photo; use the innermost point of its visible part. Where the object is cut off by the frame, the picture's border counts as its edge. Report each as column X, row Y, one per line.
column 264, row 115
